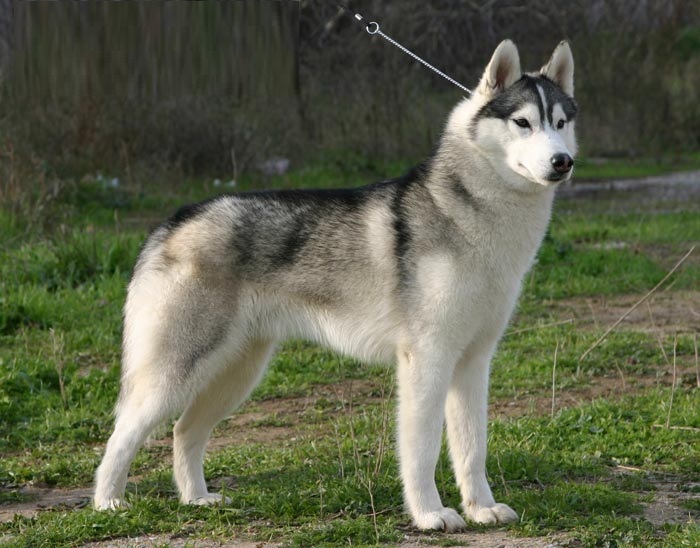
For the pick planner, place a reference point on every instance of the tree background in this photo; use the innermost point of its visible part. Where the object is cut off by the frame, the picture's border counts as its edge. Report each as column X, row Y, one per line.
column 637, row 67
column 216, row 88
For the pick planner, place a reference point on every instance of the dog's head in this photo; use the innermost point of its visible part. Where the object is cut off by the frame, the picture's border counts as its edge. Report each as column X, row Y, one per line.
column 523, row 123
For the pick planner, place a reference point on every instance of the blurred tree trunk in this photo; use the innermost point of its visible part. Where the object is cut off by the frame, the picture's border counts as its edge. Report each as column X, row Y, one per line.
column 184, row 84
column 6, row 36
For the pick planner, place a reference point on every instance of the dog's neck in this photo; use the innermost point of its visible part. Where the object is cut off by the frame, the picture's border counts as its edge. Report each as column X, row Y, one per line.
column 488, row 203
column 489, row 179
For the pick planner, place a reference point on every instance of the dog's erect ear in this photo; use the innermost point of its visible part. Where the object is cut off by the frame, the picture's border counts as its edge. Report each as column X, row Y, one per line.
column 560, row 68
column 502, row 71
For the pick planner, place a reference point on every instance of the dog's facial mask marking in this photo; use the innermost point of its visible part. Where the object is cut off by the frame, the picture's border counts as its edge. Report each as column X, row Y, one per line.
column 528, row 119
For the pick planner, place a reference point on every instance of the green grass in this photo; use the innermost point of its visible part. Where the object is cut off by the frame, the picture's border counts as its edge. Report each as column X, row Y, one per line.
column 608, row 254
column 61, row 293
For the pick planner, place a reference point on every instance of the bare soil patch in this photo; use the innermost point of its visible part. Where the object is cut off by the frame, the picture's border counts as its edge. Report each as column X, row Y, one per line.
column 540, row 403
column 157, row 541
column 276, row 419
column 666, row 508
column 666, row 312
column 251, row 423
column 489, row 539
column 44, row 498
column 668, row 493
column 482, row 539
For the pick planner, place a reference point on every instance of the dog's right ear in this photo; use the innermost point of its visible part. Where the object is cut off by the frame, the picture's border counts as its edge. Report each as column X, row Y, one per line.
column 502, row 71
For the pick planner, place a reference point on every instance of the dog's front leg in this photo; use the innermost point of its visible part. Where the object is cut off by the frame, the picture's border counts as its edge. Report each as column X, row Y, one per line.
column 423, row 382
column 466, row 409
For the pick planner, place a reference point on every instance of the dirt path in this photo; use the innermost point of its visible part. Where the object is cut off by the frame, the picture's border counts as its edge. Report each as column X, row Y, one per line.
column 487, row 539
column 683, row 187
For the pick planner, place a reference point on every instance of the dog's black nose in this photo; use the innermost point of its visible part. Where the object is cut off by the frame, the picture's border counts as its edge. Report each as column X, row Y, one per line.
column 562, row 163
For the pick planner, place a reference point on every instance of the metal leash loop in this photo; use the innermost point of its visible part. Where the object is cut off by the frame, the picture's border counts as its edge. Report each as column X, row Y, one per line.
column 372, row 28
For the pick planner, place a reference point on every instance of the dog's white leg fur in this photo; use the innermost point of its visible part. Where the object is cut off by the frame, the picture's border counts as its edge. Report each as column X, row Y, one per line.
column 140, row 411
column 422, row 385
column 191, row 432
column 466, row 411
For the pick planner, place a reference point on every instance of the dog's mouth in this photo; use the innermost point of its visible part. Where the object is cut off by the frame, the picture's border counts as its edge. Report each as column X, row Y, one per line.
column 557, row 178
column 552, row 179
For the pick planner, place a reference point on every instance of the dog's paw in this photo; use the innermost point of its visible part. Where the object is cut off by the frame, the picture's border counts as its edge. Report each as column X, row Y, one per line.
column 497, row 513
column 210, row 499
column 447, row 520
column 111, row 504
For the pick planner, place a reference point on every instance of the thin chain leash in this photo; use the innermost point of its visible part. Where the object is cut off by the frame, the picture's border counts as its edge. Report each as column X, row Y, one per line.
column 372, row 28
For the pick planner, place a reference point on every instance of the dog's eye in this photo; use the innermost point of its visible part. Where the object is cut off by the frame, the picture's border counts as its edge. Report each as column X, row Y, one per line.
column 521, row 122
column 560, row 124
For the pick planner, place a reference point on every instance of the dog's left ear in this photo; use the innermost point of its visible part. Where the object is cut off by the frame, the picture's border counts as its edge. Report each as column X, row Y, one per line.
column 560, row 68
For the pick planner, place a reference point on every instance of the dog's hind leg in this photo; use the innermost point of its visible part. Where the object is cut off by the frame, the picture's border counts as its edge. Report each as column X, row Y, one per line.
column 220, row 396
column 142, row 407
column 165, row 338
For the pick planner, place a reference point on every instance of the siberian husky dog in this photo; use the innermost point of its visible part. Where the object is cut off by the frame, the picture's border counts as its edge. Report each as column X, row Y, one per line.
column 423, row 271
